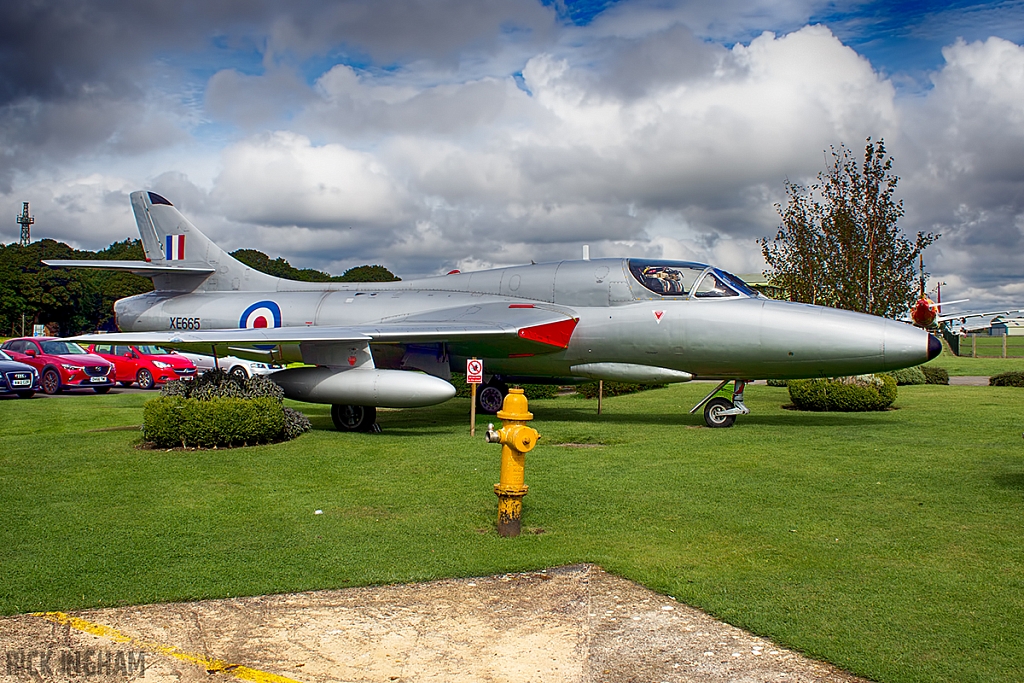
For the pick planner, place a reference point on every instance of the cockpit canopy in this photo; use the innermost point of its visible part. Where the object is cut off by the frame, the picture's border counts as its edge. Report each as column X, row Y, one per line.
column 688, row 279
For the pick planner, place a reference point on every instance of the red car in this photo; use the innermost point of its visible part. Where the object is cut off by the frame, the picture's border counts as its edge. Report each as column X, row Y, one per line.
column 62, row 364
column 147, row 365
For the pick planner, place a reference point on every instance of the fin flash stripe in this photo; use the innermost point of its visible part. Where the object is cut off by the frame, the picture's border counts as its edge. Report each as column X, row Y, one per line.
column 175, row 248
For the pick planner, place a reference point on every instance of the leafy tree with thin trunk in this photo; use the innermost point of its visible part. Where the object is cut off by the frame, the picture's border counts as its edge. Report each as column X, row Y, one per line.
column 840, row 243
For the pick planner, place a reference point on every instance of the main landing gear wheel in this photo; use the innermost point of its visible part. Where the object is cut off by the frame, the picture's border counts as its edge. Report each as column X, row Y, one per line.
column 348, row 418
column 713, row 410
column 490, row 397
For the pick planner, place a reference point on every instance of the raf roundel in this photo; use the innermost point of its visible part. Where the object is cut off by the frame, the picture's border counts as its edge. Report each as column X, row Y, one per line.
column 261, row 314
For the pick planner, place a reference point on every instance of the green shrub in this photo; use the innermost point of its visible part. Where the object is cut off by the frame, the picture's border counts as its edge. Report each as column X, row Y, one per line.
column 844, row 394
column 778, row 382
column 295, row 423
column 217, row 383
column 590, row 389
column 935, row 375
column 907, row 376
column 170, row 421
column 1014, row 378
column 220, row 409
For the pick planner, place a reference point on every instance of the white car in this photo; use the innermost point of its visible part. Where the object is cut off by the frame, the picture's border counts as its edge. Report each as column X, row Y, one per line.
column 236, row 366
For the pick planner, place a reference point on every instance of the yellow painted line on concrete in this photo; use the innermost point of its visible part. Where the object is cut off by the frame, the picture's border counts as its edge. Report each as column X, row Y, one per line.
column 211, row 665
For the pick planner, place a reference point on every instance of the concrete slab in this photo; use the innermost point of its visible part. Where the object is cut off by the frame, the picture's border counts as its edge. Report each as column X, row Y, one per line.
column 572, row 624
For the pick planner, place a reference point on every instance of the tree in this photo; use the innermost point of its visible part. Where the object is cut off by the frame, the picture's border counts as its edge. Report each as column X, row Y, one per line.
column 368, row 274
column 840, row 244
column 279, row 267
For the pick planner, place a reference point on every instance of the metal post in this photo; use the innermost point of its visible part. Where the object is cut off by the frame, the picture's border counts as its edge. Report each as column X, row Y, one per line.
column 600, row 394
column 1004, row 341
column 472, row 409
column 974, row 346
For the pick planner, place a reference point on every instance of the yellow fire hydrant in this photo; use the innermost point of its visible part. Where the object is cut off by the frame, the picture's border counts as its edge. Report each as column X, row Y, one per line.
column 516, row 440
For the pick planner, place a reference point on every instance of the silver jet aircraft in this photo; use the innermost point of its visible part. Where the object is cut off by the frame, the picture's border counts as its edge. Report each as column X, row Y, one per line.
column 625, row 319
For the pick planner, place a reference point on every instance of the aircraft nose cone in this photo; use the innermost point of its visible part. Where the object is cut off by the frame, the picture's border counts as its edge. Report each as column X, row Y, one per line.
column 934, row 346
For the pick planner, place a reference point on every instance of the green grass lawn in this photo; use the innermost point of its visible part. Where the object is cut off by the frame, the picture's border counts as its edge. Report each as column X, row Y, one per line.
column 982, row 367
column 889, row 544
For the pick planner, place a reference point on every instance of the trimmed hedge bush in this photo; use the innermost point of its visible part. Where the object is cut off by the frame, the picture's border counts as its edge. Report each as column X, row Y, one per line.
column 1014, row 378
column 844, row 394
column 171, row 421
column 219, row 409
column 590, row 389
column 907, row 376
column 462, row 389
column 935, row 375
column 778, row 382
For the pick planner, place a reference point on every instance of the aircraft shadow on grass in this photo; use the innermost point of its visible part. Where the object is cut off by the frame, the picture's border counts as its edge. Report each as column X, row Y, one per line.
column 411, row 423
column 1010, row 480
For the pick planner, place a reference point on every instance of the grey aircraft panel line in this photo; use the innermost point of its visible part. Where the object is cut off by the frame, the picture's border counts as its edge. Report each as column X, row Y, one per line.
column 394, row 344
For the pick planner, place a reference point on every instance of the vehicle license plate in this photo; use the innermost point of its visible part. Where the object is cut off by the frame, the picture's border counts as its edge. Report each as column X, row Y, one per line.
column 98, row 379
column 21, row 383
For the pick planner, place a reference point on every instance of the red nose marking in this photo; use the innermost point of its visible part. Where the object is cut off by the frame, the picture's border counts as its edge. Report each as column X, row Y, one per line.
column 351, row 360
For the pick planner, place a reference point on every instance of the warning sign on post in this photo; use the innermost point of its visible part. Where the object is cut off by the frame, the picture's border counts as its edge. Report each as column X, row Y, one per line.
column 474, row 371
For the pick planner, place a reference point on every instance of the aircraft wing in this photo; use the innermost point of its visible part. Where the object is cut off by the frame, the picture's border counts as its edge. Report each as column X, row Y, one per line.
column 954, row 316
column 485, row 330
column 135, row 267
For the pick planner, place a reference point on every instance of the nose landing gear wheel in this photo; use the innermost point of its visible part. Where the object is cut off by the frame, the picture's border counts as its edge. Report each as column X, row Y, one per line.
column 348, row 418
column 713, row 410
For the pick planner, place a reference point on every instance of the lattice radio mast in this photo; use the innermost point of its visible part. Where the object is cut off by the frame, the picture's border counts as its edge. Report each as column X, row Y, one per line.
column 25, row 221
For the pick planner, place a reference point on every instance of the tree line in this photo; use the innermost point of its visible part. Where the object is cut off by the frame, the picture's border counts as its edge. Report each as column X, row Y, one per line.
column 71, row 301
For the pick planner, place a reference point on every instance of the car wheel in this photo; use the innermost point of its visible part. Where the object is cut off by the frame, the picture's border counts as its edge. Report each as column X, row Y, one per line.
column 490, row 397
column 240, row 372
column 713, row 410
column 349, row 418
column 145, row 379
column 101, row 390
column 26, row 394
column 50, row 382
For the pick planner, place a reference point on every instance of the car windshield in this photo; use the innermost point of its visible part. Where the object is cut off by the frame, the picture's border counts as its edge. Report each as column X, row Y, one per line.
column 667, row 278
column 62, row 348
column 150, row 350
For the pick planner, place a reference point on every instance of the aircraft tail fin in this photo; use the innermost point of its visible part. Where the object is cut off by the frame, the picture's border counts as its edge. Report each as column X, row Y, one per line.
column 171, row 241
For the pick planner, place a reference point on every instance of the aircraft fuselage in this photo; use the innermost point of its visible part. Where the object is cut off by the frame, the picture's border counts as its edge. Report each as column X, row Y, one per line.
column 620, row 321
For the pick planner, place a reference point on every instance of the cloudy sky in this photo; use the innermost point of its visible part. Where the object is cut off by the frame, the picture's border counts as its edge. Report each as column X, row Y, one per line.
column 426, row 135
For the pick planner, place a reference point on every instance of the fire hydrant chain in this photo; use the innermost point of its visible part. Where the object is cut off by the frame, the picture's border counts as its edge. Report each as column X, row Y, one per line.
column 516, row 439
